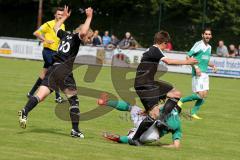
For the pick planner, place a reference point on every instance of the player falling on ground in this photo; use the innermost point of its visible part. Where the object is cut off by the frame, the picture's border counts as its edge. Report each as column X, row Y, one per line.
column 60, row 74
column 137, row 115
column 151, row 91
column 50, row 41
column 200, row 80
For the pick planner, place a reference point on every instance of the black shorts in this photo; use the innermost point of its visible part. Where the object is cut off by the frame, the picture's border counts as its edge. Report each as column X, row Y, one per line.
column 151, row 93
column 48, row 57
column 58, row 76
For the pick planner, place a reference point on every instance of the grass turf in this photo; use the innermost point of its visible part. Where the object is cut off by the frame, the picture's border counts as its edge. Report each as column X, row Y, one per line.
column 47, row 136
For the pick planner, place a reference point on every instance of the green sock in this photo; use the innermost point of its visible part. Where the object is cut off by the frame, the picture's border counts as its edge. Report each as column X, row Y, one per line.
column 119, row 105
column 192, row 97
column 197, row 106
column 123, row 139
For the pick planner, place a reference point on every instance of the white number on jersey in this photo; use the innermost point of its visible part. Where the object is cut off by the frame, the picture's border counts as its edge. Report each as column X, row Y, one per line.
column 65, row 47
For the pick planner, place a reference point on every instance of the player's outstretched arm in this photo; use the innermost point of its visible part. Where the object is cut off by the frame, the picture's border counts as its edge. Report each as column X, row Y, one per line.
column 86, row 25
column 188, row 61
column 66, row 14
column 197, row 69
column 175, row 144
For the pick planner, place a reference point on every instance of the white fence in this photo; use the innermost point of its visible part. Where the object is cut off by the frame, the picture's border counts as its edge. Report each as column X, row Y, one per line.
column 31, row 49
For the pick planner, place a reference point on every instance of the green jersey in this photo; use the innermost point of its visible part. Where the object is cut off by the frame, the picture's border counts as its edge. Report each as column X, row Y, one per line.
column 174, row 123
column 201, row 52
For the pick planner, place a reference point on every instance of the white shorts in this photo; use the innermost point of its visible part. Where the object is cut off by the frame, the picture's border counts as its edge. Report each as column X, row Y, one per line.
column 135, row 116
column 150, row 135
column 200, row 83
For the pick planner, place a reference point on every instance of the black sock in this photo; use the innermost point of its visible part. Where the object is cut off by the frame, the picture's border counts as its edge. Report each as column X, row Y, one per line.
column 32, row 102
column 57, row 94
column 168, row 107
column 35, row 86
column 74, row 112
column 144, row 125
column 75, row 115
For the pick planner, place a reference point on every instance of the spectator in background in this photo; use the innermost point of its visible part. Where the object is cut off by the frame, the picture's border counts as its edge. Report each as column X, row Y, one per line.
column 114, row 42
column 96, row 39
column 169, row 47
column 222, row 50
column 232, row 51
column 106, row 39
column 127, row 42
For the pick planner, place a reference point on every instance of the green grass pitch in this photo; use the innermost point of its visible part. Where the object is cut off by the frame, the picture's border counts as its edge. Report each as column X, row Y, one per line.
column 216, row 137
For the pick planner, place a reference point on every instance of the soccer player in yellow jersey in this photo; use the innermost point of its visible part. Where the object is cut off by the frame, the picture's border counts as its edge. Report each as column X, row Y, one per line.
column 50, row 41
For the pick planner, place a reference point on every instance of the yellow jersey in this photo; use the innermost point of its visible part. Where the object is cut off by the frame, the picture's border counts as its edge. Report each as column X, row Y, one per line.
column 47, row 29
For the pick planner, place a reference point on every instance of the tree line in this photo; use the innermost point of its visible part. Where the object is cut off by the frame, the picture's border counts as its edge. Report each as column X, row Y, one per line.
column 184, row 19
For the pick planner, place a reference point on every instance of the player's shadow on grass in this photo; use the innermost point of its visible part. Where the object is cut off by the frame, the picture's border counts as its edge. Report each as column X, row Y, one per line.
column 44, row 130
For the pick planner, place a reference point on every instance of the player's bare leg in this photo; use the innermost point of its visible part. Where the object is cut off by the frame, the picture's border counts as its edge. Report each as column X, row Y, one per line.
column 42, row 75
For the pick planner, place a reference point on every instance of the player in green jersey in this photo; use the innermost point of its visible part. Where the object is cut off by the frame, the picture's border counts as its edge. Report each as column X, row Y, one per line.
column 200, row 80
column 153, row 133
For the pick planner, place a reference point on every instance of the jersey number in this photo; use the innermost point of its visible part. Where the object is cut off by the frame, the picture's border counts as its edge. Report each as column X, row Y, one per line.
column 65, row 47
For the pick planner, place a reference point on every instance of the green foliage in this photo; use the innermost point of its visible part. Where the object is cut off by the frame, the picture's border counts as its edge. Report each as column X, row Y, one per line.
column 217, row 12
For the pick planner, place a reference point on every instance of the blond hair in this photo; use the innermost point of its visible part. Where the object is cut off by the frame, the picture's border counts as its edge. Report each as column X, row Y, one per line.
column 79, row 28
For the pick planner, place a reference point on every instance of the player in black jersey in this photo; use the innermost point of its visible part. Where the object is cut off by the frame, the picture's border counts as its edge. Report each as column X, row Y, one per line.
column 60, row 74
column 150, row 91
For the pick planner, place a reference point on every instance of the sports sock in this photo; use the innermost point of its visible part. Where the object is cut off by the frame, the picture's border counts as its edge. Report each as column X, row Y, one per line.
column 32, row 102
column 57, row 93
column 119, row 105
column 75, row 115
column 123, row 139
column 170, row 104
column 192, row 97
column 197, row 106
column 35, row 86
column 74, row 111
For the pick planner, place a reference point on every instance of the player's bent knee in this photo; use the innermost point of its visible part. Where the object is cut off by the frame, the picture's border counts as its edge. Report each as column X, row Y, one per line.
column 69, row 93
column 43, row 92
column 154, row 113
column 205, row 94
column 174, row 94
column 202, row 95
column 178, row 94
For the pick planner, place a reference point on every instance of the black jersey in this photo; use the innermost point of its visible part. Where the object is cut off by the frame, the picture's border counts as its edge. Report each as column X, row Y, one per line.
column 153, row 54
column 148, row 67
column 68, row 47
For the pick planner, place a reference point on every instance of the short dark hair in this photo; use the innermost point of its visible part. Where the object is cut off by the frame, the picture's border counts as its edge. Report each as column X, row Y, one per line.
column 161, row 37
column 57, row 9
column 206, row 29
